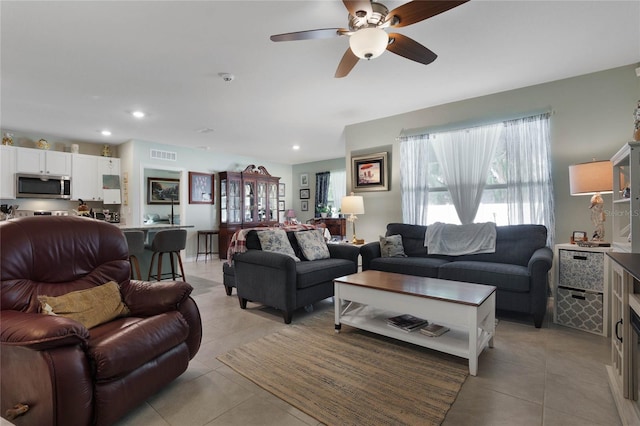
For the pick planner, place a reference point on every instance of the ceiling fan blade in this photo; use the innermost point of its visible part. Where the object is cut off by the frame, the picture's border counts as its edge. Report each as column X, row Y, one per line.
column 310, row 34
column 359, row 8
column 349, row 60
column 410, row 49
column 419, row 10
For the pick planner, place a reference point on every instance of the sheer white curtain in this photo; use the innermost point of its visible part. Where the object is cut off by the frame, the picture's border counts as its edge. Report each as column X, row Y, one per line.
column 529, row 184
column 465, row 157
column 414, row 174
column 337, row 187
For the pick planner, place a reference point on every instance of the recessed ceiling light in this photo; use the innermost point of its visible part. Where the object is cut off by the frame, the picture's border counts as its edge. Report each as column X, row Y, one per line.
column 138, row 114
column 105, row 133
column 296, row 147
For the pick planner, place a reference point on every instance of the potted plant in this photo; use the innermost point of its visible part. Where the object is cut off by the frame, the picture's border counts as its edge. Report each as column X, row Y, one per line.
column 323, row 210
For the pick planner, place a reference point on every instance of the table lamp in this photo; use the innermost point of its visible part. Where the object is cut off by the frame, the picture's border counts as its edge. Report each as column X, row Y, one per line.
column 290, row 215
column 353, row 205
column 593, row 178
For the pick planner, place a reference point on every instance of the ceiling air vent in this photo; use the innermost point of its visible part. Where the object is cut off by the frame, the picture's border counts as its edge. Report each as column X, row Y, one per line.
column 157, row 154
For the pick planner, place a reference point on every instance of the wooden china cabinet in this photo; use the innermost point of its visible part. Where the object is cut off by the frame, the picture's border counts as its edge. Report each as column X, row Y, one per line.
column 247, row 199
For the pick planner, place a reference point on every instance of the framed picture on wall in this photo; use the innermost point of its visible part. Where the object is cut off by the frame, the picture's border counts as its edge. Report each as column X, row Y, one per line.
column 200, row 188
column 370, row 172
column 163, row 191
column 304, row 205
column 281, row 191
column 305, row 194
column 281, row 205
column 304, row 180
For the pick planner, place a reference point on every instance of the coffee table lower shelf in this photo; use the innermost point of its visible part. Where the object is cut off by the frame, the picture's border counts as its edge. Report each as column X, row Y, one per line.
column 454, row 342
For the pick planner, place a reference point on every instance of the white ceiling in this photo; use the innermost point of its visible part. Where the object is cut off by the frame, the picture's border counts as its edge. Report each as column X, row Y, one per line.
column 73, row 68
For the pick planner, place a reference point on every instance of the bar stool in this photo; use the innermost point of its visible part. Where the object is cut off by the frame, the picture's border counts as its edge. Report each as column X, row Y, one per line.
column 135, row 241
column 208, row 243
column 168, row 241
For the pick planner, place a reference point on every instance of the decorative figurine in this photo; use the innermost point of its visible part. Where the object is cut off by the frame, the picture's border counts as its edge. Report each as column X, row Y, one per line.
column 7, row 139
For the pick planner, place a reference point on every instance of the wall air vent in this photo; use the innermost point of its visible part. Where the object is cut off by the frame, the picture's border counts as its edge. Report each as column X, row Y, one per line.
column 157, row 154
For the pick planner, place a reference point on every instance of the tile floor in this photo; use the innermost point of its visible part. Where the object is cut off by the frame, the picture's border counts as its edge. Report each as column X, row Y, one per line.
column 549, row 376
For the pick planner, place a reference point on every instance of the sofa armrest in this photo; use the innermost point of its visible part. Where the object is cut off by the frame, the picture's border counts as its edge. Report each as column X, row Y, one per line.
column 369, row 252
column 541, row 261
column 539, row 266
column 344, row 251
column 266, row 277
column 40, row 332
column 146, row 299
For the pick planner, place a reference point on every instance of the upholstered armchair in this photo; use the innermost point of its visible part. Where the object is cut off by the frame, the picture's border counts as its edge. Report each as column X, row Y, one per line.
column 55, row 369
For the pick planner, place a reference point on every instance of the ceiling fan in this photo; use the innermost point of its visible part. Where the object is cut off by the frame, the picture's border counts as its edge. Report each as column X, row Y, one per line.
column 367, row 37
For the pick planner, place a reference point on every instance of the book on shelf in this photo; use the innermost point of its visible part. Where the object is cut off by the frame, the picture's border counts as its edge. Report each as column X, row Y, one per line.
column 434, row 330
column 406, row 322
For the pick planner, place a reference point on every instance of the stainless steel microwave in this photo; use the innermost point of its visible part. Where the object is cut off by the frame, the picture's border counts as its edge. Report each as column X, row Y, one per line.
column 43, row 186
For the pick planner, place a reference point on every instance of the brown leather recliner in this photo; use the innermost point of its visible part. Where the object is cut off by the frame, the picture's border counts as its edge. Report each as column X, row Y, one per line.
column 66, row 374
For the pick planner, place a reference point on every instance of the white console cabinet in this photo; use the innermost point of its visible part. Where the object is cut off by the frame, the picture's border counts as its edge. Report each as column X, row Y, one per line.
column 581, row 298
column 626, row 205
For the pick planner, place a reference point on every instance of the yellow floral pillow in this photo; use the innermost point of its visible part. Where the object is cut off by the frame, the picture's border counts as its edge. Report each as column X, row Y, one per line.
column 90, row 307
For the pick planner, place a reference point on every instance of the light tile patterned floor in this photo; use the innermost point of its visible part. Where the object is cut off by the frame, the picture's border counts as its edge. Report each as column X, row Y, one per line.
column 549, row 376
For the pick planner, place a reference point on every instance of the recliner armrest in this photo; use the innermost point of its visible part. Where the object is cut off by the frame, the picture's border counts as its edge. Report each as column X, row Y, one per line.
column 145, row 299
column 39, row 331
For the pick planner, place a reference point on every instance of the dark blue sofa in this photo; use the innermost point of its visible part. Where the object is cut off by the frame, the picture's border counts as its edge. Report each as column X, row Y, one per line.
column 519, row 267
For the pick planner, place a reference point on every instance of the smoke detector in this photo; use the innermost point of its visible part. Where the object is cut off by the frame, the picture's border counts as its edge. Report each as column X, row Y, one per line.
column 227, row 76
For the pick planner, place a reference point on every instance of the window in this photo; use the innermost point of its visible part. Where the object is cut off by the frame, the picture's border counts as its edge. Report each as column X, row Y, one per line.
column 516, row 187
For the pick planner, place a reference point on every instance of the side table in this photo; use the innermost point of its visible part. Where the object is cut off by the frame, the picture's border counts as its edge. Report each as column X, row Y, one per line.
column 208, row 243
column 581, row 288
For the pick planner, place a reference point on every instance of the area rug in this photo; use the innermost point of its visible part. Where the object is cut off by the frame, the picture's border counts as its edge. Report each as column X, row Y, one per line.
column 352, row 377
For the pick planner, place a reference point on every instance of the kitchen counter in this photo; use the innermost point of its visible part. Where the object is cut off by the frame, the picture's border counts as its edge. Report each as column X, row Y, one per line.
column 153, row 227
column 629, row 261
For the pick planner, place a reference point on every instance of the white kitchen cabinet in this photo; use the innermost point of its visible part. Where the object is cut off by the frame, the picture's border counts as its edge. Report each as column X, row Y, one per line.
column 110, row 193
column 84, row 179
column 7, row 172
column 87, row 178
column 41, row 162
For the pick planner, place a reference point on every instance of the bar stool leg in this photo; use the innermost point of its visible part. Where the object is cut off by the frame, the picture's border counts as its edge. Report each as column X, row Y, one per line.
column 181, row 267
column 133, row 260
column 153, row 256
column 173, row 265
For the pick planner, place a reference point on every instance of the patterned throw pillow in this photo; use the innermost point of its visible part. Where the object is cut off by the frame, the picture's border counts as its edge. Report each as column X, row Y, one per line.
column 275, row 240
column 312, row 244
column 391, row 246
column 90, row 307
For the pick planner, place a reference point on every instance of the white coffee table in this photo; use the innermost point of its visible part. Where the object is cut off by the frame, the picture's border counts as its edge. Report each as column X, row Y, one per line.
column 365, row 300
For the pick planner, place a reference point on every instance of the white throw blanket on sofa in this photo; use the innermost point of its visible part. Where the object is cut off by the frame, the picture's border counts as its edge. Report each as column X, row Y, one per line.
column 456, row 240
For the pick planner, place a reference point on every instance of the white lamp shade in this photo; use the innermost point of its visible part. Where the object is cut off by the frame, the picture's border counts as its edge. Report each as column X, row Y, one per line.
column 352, row 204
column 369, row 43
column 590, row 178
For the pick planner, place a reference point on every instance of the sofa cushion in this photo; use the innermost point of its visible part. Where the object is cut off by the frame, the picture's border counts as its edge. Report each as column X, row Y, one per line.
column 312, row 244
column 123, row 345
column 420, row 266
column 502, row 275
column 412, row 237
column 319, row 271
column 515, row 244
column 90, row 307
column 276, row 240
column 391, row 246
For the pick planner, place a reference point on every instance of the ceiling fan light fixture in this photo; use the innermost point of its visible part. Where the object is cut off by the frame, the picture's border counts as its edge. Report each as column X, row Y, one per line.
column 368, row 43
